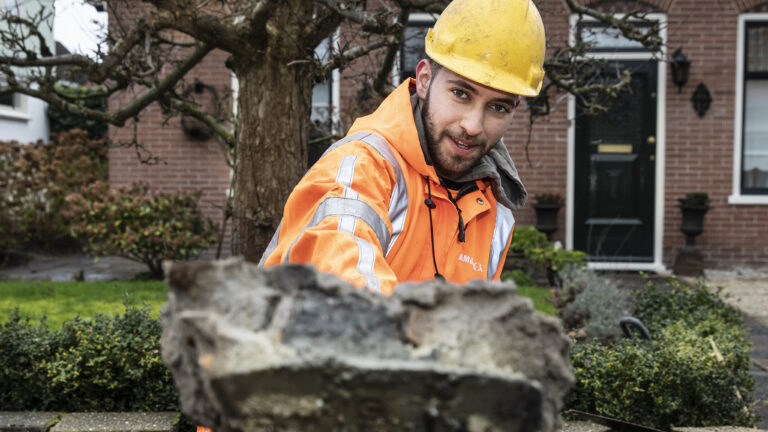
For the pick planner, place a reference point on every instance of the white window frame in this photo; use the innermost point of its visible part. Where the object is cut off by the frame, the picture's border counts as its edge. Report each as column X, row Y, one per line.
column 18, row 111
column 736, row 197
column 657, row 264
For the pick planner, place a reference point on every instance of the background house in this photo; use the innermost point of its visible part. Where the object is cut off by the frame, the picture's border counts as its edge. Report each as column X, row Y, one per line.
column 23, row 118
column 621, row 171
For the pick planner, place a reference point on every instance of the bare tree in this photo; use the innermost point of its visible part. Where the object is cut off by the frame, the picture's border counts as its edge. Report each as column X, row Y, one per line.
column 155, row 43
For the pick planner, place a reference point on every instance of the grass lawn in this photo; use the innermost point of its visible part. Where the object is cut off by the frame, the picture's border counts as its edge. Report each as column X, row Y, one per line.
column 62, row 301
column 542, row 298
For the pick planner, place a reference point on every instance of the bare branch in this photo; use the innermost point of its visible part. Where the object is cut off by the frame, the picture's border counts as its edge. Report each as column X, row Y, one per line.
column 32, row 27
column 628, row 29
column 62, row 60
column 216, row 31
column 369, row 22
column 193, row 110
column 343, row 58
column 167, row 83
column 385, row 71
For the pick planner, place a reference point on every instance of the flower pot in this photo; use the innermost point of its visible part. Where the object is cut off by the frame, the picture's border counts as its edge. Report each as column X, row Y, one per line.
column 693, row 223
column 546, row 218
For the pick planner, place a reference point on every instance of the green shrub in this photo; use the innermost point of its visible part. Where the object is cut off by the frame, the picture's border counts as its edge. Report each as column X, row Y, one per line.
column 94, row 98
column 526, row 238
column 674, row 379
column 592, row 303
column 139, row 225
column 35, row 180
column 543, row 254
column 520, row 277
column 101, row 364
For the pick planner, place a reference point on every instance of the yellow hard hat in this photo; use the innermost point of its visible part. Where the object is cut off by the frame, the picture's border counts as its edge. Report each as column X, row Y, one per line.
column 497, row 43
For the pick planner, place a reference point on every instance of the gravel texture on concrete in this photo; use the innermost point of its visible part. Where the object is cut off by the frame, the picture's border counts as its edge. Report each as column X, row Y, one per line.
column 27, row 421
column 117, row 422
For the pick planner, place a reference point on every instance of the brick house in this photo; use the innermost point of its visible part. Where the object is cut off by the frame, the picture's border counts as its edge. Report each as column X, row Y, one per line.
column 621, row 172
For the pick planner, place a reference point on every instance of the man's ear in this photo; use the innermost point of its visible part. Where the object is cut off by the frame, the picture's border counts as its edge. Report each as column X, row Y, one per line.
column 423, row 77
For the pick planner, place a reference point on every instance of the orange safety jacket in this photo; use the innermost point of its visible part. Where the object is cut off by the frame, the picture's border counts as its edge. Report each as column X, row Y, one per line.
column 360, row 211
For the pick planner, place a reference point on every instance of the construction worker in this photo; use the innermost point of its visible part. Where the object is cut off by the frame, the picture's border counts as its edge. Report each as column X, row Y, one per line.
column 424, row 187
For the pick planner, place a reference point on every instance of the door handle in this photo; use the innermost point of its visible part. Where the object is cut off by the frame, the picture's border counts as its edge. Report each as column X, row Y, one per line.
column 651, row 140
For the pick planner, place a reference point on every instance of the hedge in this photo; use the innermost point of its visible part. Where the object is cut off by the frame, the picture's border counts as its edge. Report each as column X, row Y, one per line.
column 98, row 364
column 113, row 364
column 675, row 379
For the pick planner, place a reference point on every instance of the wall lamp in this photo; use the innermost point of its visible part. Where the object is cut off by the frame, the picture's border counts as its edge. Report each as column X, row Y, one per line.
column 680, row 68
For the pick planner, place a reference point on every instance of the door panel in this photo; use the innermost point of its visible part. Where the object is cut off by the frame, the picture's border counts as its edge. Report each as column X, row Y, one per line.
column 615, row 172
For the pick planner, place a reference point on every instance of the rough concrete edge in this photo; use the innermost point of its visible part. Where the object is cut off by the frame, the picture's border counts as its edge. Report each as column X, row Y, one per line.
column 58, row 415
column 174, row 422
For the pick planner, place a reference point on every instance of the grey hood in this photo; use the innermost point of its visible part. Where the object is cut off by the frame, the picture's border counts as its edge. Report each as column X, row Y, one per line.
column 498, row 167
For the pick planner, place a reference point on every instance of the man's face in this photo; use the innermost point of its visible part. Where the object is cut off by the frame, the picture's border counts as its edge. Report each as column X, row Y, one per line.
column 463, row 119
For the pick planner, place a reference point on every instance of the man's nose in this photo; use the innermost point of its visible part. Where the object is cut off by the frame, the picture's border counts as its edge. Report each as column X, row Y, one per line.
column 472, row 122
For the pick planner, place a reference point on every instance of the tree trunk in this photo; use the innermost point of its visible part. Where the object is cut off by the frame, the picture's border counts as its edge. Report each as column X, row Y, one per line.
column 274, row 104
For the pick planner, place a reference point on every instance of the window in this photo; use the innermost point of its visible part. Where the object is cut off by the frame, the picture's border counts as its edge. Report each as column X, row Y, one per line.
column 8, row 101
column 13, row 106
column 754, row 169
column 325, row 96
column 602, row 38
column 412, row 48
column 751, row 130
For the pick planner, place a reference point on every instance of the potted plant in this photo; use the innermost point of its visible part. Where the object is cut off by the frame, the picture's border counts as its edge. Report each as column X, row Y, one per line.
column 547, row 206
column 694, row 206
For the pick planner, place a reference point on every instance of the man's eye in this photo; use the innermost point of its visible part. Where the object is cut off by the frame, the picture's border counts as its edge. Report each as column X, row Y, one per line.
column 461, row 94
column 500, row 108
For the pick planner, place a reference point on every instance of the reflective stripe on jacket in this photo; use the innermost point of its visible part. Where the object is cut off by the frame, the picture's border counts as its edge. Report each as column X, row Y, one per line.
column 359, row 212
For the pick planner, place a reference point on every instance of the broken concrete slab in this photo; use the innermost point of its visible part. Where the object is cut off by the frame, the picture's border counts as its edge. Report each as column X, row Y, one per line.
column 288, row 348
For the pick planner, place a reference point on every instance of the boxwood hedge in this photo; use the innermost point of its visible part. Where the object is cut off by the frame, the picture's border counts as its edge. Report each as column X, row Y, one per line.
column 675, row 378
column 98, row 364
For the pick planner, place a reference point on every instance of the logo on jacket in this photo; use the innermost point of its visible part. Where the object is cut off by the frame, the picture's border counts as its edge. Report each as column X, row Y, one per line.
column 469, row 260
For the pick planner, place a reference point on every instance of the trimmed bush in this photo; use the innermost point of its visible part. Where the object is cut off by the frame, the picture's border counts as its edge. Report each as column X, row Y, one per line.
column 674, row 379
column 142, row 226
column 94, row 98
column 100, row 364
column 36, row 178
column 592, row 303
column 543, row 254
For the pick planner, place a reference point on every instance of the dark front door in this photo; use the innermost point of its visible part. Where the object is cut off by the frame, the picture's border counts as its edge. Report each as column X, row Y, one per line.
column 615, row 172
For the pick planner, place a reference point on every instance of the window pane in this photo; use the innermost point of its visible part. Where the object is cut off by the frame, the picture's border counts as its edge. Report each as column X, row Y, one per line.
column 757, row 48
column 413, row 50
column 602, row 38
column 322, row 102
column 755, row 166
column 7, row 99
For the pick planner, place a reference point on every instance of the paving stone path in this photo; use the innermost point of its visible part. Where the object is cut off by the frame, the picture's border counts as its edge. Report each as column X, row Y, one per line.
column 749, row 292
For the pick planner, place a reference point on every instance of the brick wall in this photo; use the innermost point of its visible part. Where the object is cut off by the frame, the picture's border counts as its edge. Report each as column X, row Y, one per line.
column 182, row 163
column 699, row 151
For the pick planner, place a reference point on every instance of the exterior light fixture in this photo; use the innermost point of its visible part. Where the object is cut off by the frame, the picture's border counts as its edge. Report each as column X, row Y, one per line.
column 680, row 68
column 701, row 99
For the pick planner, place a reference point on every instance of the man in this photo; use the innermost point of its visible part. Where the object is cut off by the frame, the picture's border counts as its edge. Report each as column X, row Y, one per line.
column 424, row 186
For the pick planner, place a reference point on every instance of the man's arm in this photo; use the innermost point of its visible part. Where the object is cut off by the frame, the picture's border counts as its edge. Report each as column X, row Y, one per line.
column 337, row 218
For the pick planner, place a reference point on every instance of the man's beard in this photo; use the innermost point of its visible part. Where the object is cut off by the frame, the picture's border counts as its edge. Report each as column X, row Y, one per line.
column 451, row 166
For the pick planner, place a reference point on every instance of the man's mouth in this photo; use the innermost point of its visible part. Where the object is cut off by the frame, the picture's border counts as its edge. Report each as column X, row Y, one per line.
column 462, row 143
